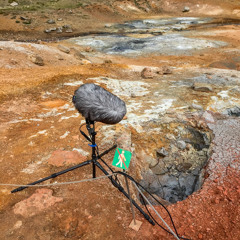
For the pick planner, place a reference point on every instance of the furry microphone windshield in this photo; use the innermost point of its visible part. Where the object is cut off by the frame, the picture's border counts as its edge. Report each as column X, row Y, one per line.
column 97, row 104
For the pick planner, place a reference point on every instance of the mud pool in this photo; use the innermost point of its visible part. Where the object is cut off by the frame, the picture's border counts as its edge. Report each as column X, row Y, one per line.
column 158, row 36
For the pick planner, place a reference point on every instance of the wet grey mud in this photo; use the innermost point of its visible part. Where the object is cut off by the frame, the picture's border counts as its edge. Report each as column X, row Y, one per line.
column 180, row 80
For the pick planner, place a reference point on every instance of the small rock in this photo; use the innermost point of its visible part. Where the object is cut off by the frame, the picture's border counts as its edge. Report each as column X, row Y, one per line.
column 234, row 111
column 27, row 21
column 202, row 87
column 166, row 70
column 66, row 26
column 59, row 29
column 196, row 106
column 184, row 166
column 108, row 61
column 186, row 9
column 88, row 49
column 52, row 29
column 108, row 25
column 51, row 21
column 147, row 73
column 85, row 61
column 63, row 49
column 23, row 18
column 59, row 19
column 208, row 117
column 37, row 60
column 162, row 152
column 13, row 4
column 181, row 144
column 201, row 153
column 47, row 30
column 69, row 30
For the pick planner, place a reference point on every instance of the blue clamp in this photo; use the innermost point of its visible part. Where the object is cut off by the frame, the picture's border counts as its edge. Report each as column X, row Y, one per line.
column 92, row 145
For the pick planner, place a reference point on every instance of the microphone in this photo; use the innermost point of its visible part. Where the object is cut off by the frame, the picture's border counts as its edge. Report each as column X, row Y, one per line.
column 97, row 104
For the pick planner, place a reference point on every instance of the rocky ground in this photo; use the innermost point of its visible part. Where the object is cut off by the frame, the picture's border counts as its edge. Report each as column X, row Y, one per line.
column 175, row 64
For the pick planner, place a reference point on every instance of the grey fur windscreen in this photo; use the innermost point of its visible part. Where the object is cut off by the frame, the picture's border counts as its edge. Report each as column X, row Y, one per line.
column 97, row 104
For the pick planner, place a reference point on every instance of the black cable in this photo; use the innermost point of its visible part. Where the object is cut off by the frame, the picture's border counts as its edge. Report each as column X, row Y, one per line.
column 116, row 178
column 132, row 179
column 84, row 134
column 144, row 202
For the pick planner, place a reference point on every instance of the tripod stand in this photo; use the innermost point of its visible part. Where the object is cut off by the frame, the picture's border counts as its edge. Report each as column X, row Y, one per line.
column 94, row 161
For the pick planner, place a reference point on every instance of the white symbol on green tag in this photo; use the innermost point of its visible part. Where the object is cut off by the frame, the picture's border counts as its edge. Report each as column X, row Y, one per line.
column 122, row 158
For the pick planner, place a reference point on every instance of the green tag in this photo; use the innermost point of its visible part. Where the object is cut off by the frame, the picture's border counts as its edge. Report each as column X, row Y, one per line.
column 122, row 158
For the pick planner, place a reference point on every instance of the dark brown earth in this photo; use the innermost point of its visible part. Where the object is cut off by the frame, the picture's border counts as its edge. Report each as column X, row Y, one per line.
column 32, row 149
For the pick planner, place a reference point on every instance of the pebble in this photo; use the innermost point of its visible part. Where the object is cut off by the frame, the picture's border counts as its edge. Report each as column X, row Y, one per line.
column 13, row 4
column 69, row 30
column 66, row 26
column 181, row 144
column 50, row 21
column 186, row 9
column 23, row 18
column 202, row 87
column 162, row 152
column 147, row 73
column 37, row 60
column 108, row 25
column 59, row 29
column 164, row 70
column 63, row 49
column 208, row 117
column 27, row 21
column 196, row 106
column 88, row 49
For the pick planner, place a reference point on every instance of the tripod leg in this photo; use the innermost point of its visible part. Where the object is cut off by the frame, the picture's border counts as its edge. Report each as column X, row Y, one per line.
column 53, row 175
column 121, row 189
column 64, row 171
column 94, row 169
